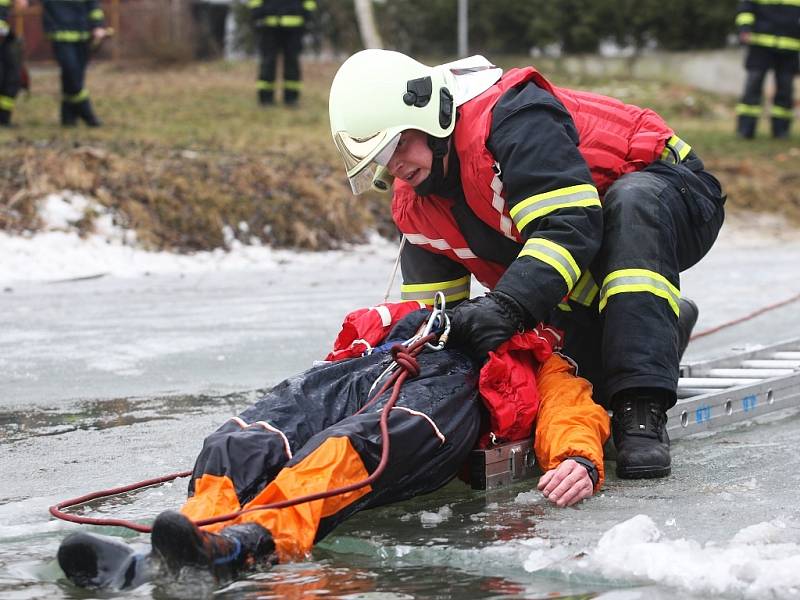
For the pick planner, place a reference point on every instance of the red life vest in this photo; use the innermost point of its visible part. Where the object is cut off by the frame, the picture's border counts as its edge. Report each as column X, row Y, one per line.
column 615, row 139
column 507, row 381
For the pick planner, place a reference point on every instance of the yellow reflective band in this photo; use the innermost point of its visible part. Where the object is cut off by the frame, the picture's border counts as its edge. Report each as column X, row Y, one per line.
column 585, row 290
column 6, row 103
column 750, row 110
column 265, row 85
column 542, row 204
column 554, row 255
column 310, row 5
column 3, row 26
column 779, row 112
column 454, row 290
column 254, row 3
column 5, row 2
column 565, row 307
column 677, row 146
column 96, row 14
column 778, row 42
column 745, row 18
column 283, row 21
column 79, row 97
column 292, row 85
column 69, row 36
column 639, row 280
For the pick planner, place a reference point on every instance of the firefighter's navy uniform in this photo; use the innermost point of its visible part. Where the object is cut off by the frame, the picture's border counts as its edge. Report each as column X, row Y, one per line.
column 10, row 65
column 279, row 27
column 581, row 208
column 69, row 25
column 773, row 27
column 309, row 435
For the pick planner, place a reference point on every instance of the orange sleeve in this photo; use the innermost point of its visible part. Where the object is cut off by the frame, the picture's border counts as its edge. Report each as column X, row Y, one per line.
column 569, row 423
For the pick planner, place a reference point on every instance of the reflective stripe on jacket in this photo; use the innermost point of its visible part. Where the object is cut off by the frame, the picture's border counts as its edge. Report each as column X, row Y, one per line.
column 771, row 23
column 71, row 20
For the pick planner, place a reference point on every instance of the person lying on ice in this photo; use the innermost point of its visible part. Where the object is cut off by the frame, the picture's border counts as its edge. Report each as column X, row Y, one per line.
column 308, row 435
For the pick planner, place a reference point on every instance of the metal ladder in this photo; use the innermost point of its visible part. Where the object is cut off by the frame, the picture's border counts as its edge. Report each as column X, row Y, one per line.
column 736, row 387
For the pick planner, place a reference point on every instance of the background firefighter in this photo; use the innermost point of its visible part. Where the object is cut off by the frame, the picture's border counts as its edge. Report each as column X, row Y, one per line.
column 10, row 62
column 73, row 26
column 279, row 27
column 308, row 435
column 771, row 31
column 501, row 176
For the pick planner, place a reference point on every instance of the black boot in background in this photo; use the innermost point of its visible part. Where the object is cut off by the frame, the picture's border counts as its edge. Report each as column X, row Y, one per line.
column 780, row 127
column 69, row 118
column 639, row 427
column 266, row 97
column 5, row 118
column 746, row 126
column 180, row 543
column 86, row 112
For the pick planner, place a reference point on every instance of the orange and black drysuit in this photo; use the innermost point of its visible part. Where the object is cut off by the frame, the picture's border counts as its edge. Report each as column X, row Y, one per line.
column 307, row 436
column 279, row 27
column 10, row 65
column 69, row 25
column 582, row 209
column 773, row 27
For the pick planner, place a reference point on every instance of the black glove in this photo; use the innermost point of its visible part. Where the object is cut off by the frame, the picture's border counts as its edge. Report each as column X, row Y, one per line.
column 482, row 324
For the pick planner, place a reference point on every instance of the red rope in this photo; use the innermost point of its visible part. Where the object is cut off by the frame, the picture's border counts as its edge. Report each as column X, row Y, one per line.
column 405, row 358
column 746, row 317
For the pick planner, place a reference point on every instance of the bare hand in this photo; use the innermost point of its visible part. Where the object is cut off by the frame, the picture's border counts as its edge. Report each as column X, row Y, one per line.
column 744, row 37
column 567, row 484
column 20, row 4
column 98, row 33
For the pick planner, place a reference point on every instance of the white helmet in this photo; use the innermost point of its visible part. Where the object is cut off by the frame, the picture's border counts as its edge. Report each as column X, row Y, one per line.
column 378, row 94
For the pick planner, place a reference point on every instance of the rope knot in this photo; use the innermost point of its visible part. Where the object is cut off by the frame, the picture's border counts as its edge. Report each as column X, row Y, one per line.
column 405, row 360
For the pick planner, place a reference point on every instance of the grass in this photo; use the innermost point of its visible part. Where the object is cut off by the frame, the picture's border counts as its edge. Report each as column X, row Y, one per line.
column 186, row 151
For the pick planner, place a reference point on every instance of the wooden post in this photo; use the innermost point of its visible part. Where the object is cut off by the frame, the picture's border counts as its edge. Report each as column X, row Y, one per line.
column 115, row 20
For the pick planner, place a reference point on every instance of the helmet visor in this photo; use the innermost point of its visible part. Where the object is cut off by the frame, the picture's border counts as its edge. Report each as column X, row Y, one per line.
column 362, row 156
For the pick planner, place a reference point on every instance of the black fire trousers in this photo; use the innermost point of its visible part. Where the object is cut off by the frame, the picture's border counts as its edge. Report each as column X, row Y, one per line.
column 785, row 65
column 73, row 58
column 288, row 43
column 657, row 222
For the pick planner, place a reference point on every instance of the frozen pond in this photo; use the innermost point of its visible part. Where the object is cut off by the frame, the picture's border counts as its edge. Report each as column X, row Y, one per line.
column 112, row 380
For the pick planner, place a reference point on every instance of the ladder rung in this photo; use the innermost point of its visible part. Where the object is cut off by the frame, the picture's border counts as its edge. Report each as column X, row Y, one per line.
column 688, row 392
column 770, row 364
column 715, row 382
column 758, row 373
column 786, row 355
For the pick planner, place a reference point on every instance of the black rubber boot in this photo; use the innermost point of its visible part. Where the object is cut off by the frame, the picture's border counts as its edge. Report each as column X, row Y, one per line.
column 639, row 427
column 746, row 127
column 180, row 543
column 687, row 317
column 5, row 118
column 86, row 112
column 780, row 127
column 102, row 562
column 266, row 97
column 69, row 118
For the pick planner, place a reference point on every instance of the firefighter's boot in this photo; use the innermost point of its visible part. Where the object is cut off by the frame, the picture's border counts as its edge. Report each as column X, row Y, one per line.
column 69, row 117
column 85, row 111
column 746, row 126
column 5, row 118
column 639, row 427
column 103, row 562
column 780, row 127
column 180, row 543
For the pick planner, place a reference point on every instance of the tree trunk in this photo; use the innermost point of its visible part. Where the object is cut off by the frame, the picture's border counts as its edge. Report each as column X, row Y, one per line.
column 370, row 37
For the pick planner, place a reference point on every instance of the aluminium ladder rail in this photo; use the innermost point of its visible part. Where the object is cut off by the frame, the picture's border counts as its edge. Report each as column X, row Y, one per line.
column 737, row 387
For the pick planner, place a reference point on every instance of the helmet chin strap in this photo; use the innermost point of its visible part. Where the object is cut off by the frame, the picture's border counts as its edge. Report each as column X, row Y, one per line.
column 439, row 146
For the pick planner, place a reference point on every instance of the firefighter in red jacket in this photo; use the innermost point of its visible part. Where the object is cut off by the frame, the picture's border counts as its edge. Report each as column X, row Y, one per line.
column 771, row 31
column 572, row 208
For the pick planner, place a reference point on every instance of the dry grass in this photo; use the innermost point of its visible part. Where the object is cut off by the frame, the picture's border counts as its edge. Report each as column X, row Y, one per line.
column 186, row 151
